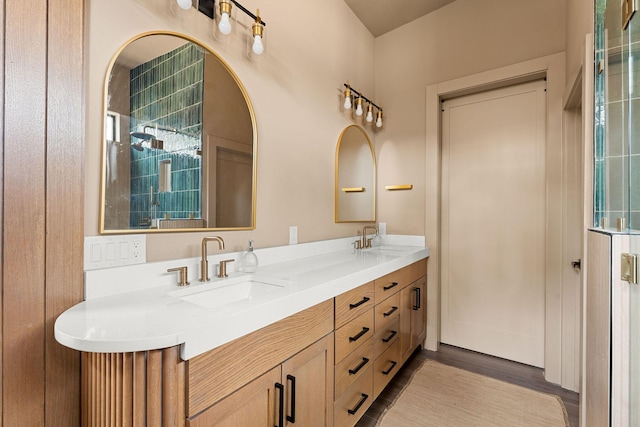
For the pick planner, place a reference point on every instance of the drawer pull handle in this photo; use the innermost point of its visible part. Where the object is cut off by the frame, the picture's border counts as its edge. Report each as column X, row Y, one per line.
column 416, row 306
column 360, row 366
column 292, row 418
column 390, row 337
column 359, row 334
column 388, row 371
column 360, row 403
column 280, row 387
column 390, row 312
column 359, row 303
column 392, row 285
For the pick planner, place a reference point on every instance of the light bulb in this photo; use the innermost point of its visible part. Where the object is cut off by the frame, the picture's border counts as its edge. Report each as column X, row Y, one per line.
column 370, row 114
column 359, row 107
column 257, row 47
column 225, row 25
column 347, row 102
column 185, row 4
column 379, row 121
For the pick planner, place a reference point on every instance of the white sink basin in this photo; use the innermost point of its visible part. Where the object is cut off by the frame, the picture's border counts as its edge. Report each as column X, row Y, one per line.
column 223, row 292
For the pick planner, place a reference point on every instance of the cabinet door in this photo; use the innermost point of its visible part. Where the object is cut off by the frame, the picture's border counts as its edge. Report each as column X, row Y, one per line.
column 252, row 405
column 419, row 312
column 413, row 316
column 406, row 307
column 308, row 384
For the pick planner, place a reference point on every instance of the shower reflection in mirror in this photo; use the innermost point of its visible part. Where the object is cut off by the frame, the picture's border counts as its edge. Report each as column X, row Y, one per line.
column 164, row 165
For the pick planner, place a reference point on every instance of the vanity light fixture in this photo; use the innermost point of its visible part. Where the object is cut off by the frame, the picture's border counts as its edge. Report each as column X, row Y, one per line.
column 359, row 106
column 347, row 97
column 185, row 4
column 225, row 21
column 257, row 34
column 379, row 119
column 359, row 98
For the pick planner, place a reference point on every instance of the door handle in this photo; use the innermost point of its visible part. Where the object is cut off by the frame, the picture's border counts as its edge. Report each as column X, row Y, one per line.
column 416, row 306
column 577, row 264
column 292, row 418
column 280, row 388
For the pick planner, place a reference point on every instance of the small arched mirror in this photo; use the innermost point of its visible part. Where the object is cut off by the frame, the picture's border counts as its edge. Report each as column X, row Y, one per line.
column 355, row 191
column 179, row 149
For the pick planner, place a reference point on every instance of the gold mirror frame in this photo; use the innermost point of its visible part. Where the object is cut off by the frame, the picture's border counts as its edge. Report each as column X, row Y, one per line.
column 251, row 145
column 355, row 177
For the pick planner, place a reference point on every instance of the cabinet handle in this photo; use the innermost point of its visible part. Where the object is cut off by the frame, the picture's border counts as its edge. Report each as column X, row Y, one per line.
column 280, row 405
column 292, row 418
column 360, row 366
column 359, row 334
column 388, row 371
column 416, row 306
column 390, row 337
column 392, row 285
column 359, row 404
column 359, row 303
column 390, row 312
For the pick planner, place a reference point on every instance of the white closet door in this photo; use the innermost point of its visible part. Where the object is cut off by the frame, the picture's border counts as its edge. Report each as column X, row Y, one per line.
column 493, row 222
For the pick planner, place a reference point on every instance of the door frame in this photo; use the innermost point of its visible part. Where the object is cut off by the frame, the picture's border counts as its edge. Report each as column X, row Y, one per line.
column 553, row 69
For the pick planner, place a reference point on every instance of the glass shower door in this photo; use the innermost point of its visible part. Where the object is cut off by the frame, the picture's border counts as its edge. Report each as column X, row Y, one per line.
column 617, row 161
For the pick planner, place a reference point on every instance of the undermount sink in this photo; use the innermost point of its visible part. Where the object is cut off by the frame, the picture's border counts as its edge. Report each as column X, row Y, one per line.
column 227, row 292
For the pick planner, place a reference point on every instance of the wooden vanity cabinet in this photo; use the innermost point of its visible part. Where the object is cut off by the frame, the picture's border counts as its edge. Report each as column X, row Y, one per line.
column 301, row 350
column 297, row 392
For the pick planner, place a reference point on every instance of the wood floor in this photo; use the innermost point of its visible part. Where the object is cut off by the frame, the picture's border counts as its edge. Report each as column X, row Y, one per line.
column 505, row 370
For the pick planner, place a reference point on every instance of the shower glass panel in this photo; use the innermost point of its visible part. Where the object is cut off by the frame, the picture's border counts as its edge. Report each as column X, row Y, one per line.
column 617, row 151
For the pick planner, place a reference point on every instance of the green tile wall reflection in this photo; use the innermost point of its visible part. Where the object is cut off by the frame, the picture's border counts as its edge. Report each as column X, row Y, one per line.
column 167, row 92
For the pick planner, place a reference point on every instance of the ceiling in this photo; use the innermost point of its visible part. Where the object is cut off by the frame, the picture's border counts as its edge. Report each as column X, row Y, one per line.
column 381, row 16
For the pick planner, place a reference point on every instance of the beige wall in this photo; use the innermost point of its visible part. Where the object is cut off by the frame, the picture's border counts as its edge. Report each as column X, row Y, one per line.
column 579, row 23
column 313, row 47
column 460, row 39
column 295, row 92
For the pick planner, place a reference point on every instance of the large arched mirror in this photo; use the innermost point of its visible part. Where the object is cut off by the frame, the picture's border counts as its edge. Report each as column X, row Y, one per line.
column 355, row 191
column 180, row 140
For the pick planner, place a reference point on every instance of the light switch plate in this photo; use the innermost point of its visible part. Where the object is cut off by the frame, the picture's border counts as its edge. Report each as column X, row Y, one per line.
column 382, row 228
column 114, row 251
column 629, row 268
column 293, row 235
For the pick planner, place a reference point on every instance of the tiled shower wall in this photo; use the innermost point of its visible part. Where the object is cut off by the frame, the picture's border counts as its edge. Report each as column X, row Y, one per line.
column 167, row 92
column 617, row 123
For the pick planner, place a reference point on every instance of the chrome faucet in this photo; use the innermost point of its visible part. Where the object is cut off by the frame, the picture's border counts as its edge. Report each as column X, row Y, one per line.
column 204, row 263
column 366, row 243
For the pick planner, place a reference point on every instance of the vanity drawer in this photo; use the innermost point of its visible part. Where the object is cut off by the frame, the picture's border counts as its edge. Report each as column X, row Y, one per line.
column 385, row 367
column 386, row 336
column 355, row 401
column 388, row 285
column 353, row 303
column 353, row 334
column 387, row 310
column 353, row 367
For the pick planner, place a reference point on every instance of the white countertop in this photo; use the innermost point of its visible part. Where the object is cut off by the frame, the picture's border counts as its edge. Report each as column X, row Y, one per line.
column 157, row 317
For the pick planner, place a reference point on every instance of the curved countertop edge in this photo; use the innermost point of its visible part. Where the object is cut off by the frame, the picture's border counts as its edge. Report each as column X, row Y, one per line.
column 211, row 327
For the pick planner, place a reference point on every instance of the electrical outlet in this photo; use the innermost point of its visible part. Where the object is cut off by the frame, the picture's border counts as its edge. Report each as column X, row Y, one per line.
column 382, row 228
column 293, row 235
column 114, row 251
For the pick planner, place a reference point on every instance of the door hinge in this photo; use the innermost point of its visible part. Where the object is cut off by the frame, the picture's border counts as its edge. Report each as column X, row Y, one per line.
column 629, row 268
column 629, row 7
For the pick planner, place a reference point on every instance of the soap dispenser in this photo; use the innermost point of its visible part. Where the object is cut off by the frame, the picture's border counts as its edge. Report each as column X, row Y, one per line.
column 249, row 260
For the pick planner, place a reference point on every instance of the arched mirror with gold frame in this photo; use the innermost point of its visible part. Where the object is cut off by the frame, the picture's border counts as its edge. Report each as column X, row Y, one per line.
column 180, row 140
column 355, row 184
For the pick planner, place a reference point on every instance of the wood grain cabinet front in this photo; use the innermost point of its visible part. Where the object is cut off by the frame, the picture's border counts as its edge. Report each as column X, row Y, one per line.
column 413, row 314
column 298, row 392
